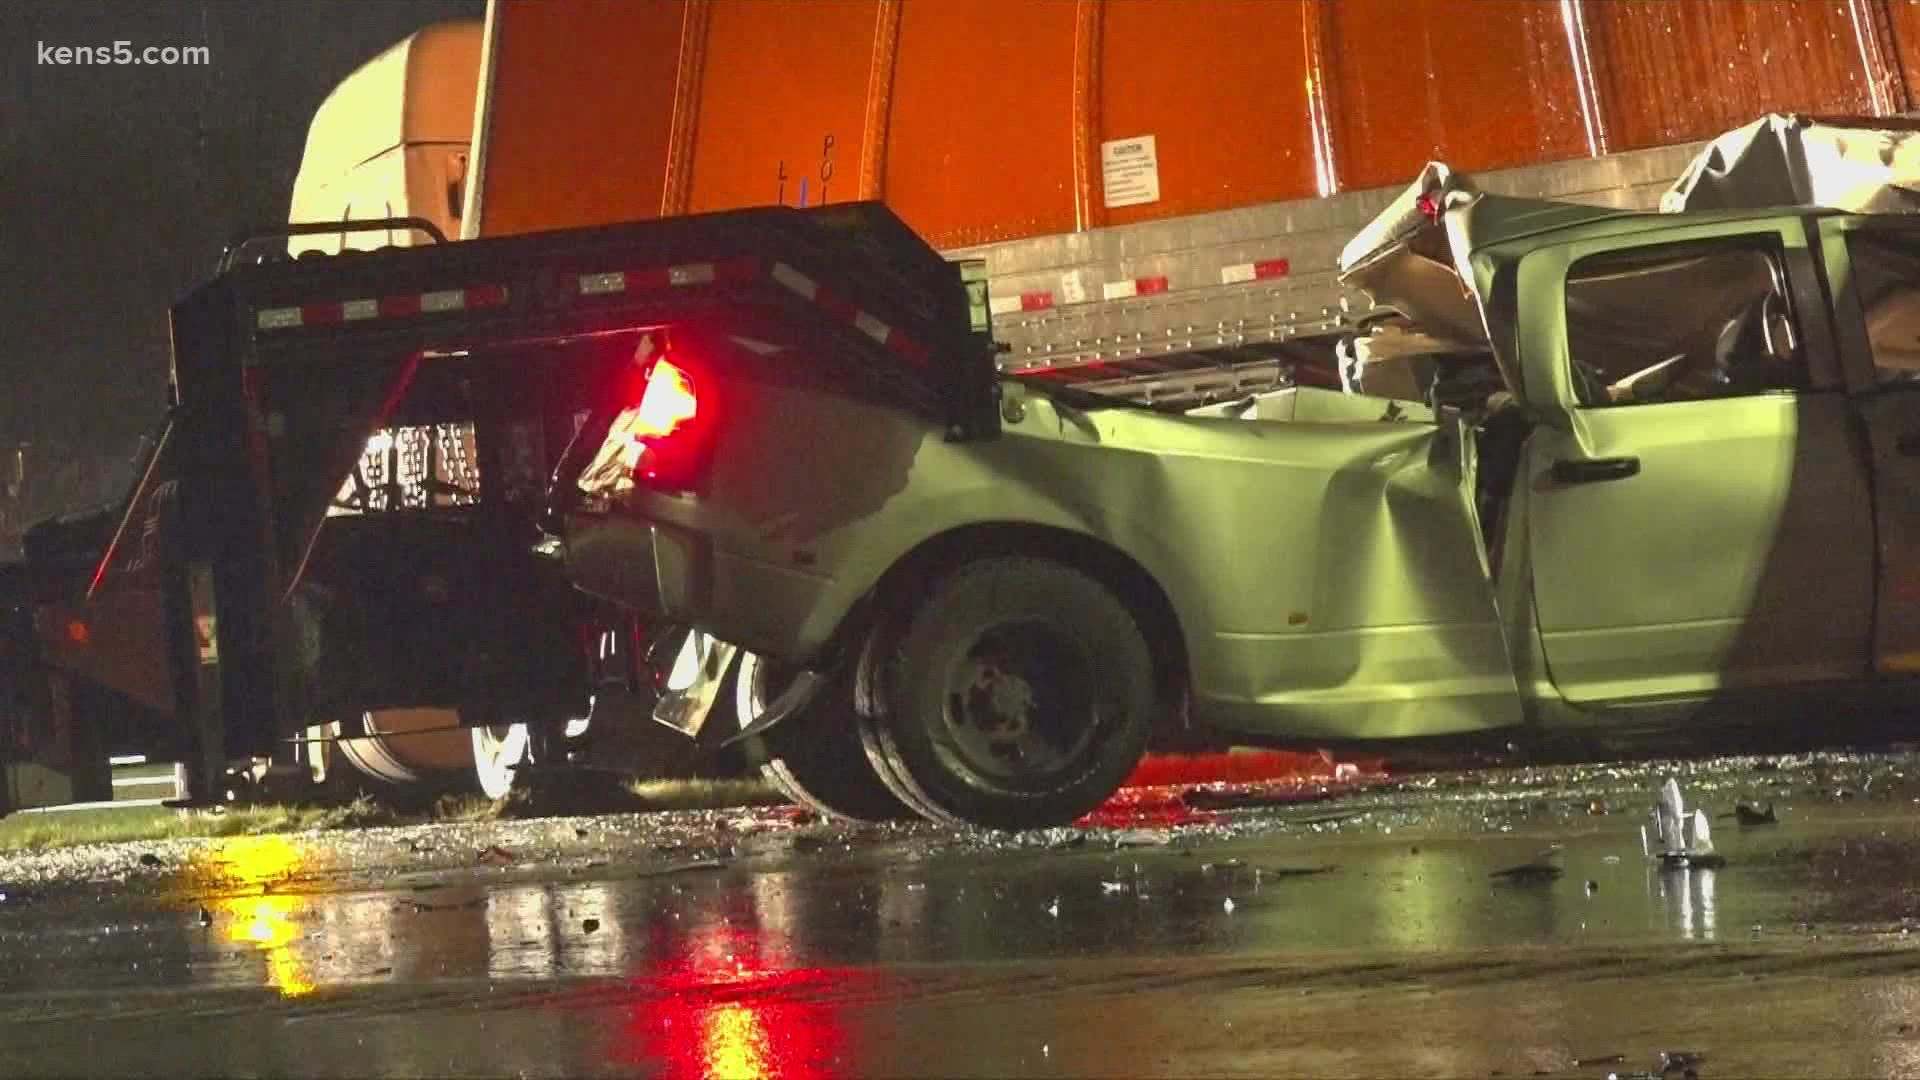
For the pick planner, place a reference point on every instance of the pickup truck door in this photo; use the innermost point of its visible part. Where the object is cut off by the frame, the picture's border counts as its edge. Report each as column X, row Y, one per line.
column 1874, row 265
column 1706, row 525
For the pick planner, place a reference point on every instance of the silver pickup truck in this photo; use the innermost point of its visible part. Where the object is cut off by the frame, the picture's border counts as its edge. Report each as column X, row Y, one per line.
column 1694, row 485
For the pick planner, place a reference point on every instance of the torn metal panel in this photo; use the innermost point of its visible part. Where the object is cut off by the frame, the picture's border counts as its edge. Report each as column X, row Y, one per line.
column 1862, row 166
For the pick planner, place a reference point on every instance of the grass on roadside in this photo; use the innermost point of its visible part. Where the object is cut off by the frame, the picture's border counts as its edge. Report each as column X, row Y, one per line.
column 110, row 825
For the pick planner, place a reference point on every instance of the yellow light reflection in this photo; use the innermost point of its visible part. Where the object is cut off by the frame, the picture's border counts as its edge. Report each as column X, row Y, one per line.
column 736, row 1044
column 267, row 921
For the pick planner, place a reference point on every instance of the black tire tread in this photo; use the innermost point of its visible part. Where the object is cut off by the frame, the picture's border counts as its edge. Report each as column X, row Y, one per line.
column 1043, row 586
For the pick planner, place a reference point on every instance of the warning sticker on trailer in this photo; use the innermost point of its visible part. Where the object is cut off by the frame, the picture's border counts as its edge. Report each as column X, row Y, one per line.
column 1130, row 169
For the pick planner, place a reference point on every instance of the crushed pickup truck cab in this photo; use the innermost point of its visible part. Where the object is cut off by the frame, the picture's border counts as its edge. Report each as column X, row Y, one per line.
column 1655, row 505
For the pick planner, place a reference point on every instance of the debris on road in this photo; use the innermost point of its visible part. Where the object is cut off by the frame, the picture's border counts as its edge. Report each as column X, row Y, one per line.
column 1329, row 819
column 1533, row 873
column 684, row 868
column 495, row 855
column 1682, row 839
column 1684, row 1062
column 1540, row 870
column 1221, row 798
column 1608, row 1059
column 1294, row 871
column 590, row 925
column 147, row 858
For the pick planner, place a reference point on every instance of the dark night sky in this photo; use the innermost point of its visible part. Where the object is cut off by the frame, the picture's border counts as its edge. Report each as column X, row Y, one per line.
column 119, row 185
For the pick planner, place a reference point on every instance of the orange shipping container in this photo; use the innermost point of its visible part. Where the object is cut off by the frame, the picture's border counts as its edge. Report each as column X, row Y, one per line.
column 989, row 120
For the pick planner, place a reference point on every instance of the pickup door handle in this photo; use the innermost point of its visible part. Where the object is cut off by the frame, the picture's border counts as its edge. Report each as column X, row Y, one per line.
column 1596, row 470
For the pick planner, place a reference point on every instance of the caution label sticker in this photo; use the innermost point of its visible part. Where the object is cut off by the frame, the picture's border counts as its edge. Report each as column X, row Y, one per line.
column 1130, row 169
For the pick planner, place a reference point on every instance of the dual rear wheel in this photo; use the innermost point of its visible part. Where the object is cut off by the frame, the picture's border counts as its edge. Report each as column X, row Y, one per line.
column 1019, row 694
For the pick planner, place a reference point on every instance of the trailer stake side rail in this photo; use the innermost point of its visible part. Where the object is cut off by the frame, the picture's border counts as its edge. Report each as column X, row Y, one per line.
column 1162, row 308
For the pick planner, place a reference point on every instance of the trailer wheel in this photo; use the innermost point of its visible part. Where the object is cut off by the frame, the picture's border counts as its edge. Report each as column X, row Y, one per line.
column 815, row 757
column 1020, row 694
column 414, row 752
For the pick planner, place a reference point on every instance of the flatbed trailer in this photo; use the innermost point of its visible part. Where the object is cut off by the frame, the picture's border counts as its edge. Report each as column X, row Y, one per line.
column 241, row 598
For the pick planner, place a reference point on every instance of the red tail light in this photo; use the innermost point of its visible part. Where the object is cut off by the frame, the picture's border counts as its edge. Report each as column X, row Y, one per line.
column 669, row 402
column 670, row 431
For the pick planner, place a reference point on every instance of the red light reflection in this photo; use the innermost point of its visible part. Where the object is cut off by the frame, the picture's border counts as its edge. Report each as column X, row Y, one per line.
column 724, row 1005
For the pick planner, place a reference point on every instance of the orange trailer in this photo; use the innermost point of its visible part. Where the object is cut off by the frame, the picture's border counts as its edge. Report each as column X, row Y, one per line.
column 1157, row 187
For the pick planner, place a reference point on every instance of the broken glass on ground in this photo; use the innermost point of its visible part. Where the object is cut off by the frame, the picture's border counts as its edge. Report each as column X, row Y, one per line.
column 1679, row 838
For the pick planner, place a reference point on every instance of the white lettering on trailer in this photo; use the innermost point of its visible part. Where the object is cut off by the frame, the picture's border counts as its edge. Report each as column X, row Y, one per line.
column 360, row 309
column 277, row 318
column 795, row 280
column 448, row 300
column 1130, row 172
column 601, row 284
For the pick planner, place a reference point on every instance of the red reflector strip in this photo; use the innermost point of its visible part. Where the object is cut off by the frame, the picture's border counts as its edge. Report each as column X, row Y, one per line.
column 1254, row 271
column 1121, row 290
column 907, row 349
column 1027, row 301
column 744, row 268
column 393, row 307
column 486, row 296
column 835, row 305
column 387, row 307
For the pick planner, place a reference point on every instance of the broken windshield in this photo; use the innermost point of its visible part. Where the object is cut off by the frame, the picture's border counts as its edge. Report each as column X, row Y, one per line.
column 1681, row 322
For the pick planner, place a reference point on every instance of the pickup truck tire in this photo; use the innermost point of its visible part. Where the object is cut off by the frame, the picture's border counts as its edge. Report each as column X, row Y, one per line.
column 814, row 757
column 1019, row 694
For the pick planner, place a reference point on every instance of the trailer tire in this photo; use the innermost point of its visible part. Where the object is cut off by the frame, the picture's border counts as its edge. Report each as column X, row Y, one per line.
column 1019, row 694
column 815, row 757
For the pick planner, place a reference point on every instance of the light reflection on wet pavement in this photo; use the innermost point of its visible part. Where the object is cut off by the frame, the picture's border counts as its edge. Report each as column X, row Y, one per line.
column 1373, row 944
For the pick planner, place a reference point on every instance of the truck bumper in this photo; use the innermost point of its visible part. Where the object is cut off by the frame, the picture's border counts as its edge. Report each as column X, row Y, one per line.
column 677, row 575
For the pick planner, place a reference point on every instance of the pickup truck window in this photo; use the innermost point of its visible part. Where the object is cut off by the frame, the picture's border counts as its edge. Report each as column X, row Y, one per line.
column 1682, row 322
column 1886, row 272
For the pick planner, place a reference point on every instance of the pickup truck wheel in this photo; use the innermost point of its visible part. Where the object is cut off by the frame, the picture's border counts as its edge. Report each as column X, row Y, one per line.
column 814, row 757
column 1019, row 695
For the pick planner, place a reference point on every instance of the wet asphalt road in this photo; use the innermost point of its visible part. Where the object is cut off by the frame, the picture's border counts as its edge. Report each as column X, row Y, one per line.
column 1364, row 935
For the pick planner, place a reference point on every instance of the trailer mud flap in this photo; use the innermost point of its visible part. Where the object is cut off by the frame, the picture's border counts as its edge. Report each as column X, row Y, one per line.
column 49, row 754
